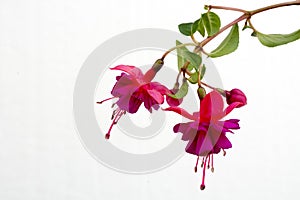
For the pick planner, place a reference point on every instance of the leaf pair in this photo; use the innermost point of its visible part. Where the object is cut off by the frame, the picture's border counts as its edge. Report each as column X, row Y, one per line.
column 184, row 55
column 209, row 22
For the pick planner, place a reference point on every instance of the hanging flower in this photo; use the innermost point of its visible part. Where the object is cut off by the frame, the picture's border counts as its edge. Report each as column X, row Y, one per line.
column 134, row 88
column 206, row 133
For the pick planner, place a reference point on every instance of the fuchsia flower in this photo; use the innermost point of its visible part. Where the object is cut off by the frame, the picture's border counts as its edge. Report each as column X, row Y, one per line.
column 206, row 133
column 236, row 95
column 134, row 88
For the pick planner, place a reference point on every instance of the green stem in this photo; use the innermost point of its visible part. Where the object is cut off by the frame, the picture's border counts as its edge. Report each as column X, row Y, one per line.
column 194, row 40
column 251, row 25
column 199, row 74
column 176, row 47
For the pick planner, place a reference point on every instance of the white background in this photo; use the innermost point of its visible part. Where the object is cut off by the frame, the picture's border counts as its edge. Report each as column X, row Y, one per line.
column 42, row 47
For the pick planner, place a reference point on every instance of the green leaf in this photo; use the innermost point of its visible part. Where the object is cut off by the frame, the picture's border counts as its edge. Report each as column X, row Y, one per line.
column 191, row 67
column 182, row 92
column 193, row 58
column 184, row 55
column 187, row 29
column 245, row 27
column 180, row 58
column 229, row 44
column 195, row 26
column 199, row 26
column 273, row 40
column 211, row 22
column 193, row 78
column 254, row 34
column 203, row 70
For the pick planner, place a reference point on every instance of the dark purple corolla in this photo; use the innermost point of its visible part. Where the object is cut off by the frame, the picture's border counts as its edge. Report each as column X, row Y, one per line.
column 206, row 133
column 134, row 88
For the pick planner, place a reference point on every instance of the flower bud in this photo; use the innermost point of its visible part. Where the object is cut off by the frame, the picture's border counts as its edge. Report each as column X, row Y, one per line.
column 158, row 65
column 172, row 101
column 236, row 95
column 201, row 93
column 150, row 74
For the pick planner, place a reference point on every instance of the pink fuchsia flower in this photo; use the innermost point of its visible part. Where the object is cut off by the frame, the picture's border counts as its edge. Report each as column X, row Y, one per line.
column 134, row 88
column 236, row 95
column 206, row 133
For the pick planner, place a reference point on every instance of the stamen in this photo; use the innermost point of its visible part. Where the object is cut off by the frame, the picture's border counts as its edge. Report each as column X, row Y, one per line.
column 202, row 162
column 212, row 163
column 224, row 152
column 196, row 164
column 119, row 116
column 107, row 135
column 100, row 102
column 202, row 186
column 208, row 166
column 113, row 115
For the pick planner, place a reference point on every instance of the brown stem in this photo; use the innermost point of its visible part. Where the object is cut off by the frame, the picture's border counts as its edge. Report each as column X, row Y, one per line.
column 225, row 8
column 290, row 3
column 211, row 87
column 246, row 15
column 176, row 47
column 241, row 18
column 177, row 78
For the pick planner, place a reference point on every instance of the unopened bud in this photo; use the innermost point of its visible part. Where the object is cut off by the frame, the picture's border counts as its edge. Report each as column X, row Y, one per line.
column 201, row 93
column 150, row 74
column 236, row 95
column 158, row 65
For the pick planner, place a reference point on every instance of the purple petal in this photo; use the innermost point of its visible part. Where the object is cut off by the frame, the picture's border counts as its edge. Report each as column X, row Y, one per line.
column 201, row 145
column 232, row 124
column 223, row 142
column 187, row 132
